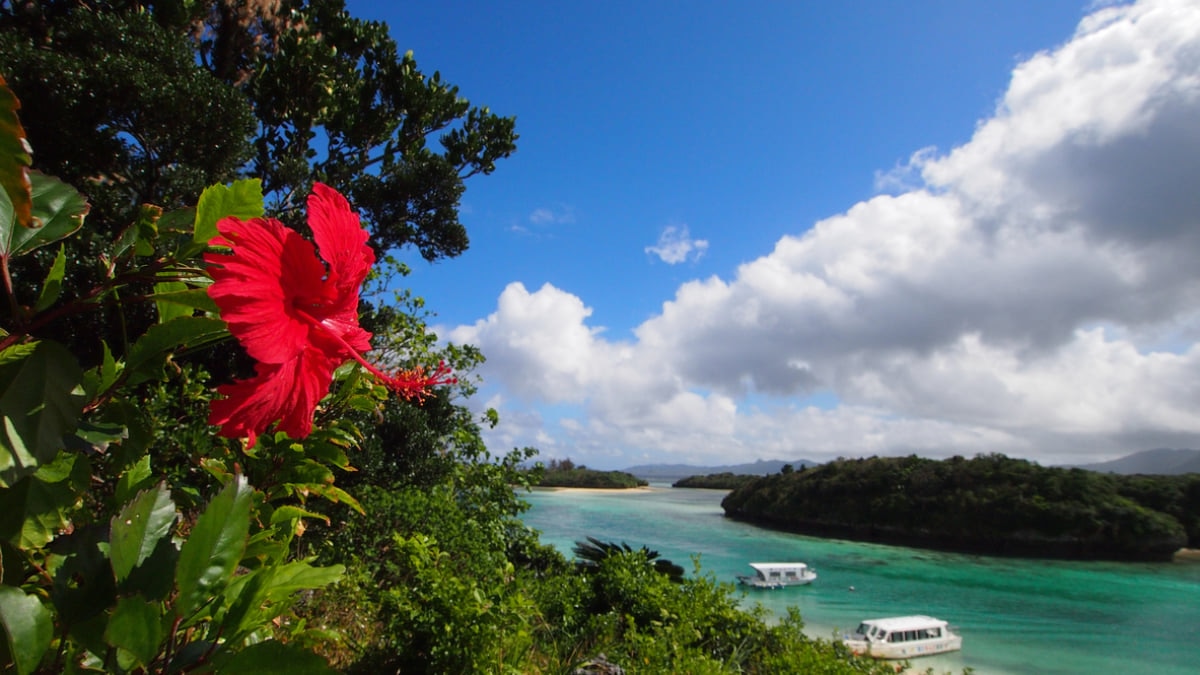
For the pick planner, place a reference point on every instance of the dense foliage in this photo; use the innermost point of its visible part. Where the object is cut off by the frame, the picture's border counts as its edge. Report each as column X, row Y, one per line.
column 286, row 91
column 564, row 473
column 990, row 504
column 716, row 481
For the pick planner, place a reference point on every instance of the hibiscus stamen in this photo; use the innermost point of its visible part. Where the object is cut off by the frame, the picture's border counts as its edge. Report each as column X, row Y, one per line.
column 411, row 383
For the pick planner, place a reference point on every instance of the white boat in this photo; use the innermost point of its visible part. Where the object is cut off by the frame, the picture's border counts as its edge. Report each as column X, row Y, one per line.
column 903, row 637
column 778, row 575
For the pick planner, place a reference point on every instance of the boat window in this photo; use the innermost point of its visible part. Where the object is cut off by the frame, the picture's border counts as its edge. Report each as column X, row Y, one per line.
column 863, row 629
column 923, row 634
column 935, row 632
column 910, row 635
column 892, row 637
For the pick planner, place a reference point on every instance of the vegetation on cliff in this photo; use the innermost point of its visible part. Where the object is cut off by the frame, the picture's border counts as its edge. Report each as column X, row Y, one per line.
column 990, row 504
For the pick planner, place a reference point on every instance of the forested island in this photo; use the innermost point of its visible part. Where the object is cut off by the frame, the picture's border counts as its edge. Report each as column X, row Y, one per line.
column 716, row 481
column 990, row 504
column 565, row 473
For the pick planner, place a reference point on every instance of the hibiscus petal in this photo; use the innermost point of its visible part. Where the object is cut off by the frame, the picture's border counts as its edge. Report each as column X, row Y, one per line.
column 287, row 393
column 342, row 243
column 269, row 271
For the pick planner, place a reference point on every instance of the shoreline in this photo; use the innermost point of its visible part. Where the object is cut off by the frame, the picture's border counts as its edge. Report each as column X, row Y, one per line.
column 640, row 488
column 1189, row 555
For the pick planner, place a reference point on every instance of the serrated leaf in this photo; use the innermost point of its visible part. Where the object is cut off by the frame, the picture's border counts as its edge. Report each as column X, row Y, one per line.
column 147, row 355
column 137, row 627
column 273, row 657
column 243, row 199
column 28, row 628
column 214, row 547
column 154, row 578
column 40, row 403
column 52, row 285
column 58, row 211
column 133, row 479
column 138, row 528
column 14, row 158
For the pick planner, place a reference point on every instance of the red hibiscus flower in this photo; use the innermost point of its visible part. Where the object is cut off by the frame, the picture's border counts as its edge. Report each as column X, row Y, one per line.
column 296, row 315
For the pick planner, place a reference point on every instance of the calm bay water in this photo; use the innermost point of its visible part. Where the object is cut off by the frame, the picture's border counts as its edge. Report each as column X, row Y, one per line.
column 1016, row 616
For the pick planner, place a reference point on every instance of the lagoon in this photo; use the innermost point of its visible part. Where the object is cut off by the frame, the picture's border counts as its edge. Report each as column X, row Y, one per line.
column 1017, row 616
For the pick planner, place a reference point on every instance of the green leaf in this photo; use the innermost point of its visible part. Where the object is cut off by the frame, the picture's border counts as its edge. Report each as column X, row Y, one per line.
column 40, row 403
column 243, row 199
column 52, row 285
column 271, row 657
column 137, row 627
column 58, row 210
column 14, row 159
column 214, row 547
column 168, row 310
column 291, row 513
column 96, row 436
column 35, row 510
column 154, row 578
column 28, row 627
column 49, row 496
column 133, row 479
column 299, row 576
column 103, row 376
column 264, row 594
column 176, row 298
column 335, row 495
column 140, row 234
column 137, row 529
column 147, row 355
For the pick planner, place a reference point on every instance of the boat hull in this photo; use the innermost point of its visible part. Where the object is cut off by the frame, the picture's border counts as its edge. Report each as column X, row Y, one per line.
column 754, row 582
column 906, row 650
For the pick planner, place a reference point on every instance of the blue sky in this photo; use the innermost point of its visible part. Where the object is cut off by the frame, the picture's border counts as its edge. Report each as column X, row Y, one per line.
column 735, row 231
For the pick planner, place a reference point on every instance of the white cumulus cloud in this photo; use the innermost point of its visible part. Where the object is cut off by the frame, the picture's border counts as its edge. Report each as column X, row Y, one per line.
column 1034, row 291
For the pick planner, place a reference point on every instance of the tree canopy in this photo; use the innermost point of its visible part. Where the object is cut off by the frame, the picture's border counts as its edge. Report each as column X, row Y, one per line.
column 138, row 103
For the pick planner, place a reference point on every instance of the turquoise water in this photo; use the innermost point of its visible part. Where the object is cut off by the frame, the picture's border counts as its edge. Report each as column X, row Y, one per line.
column 1016, row 616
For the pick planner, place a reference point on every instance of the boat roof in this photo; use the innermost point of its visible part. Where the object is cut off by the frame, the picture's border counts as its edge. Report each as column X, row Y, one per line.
column 914, row 622
column 778, row 565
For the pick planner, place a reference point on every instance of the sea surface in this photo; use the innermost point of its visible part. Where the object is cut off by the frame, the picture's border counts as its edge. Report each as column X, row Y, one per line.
column 1016, row 615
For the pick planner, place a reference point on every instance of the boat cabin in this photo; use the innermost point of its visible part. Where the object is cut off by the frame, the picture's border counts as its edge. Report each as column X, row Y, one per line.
column 777, row 575
column 903, row 637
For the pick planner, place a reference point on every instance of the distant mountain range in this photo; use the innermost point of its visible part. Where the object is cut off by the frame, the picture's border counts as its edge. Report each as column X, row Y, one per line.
column 672, row 472
column 1160, row 461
